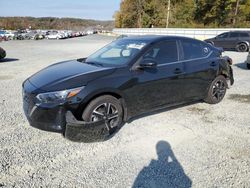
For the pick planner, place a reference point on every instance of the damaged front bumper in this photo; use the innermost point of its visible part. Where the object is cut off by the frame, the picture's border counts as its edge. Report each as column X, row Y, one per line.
column 81, row 131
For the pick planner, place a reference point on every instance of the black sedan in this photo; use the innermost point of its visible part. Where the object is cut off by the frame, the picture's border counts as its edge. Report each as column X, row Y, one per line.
column 235, row 40
column 130, row 76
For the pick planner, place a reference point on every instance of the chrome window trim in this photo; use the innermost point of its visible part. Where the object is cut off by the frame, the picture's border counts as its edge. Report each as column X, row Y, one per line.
column 175, row 62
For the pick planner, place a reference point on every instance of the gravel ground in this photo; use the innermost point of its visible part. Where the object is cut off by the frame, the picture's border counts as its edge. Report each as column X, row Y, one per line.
column 197, row 145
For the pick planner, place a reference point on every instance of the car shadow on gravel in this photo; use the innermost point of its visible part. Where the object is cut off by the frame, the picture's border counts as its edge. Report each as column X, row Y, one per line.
column 8, row 60
column 240, row 98
column 242, row 65
column 166, row 171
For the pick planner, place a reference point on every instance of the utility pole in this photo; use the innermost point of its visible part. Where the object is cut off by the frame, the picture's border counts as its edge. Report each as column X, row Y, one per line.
column 168, row 14
column 236, row 11
column 140, row 11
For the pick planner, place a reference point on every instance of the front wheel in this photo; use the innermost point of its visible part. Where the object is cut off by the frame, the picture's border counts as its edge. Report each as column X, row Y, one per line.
column 217, row 90
column 107, row 108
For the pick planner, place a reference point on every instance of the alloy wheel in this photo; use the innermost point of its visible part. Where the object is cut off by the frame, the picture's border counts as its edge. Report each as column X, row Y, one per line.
column 242, row 48
column 219, row 90
column 106, row 112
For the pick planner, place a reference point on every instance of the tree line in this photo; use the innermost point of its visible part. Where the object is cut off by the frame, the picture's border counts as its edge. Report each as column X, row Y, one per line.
column 14, row 23
column 183, row 13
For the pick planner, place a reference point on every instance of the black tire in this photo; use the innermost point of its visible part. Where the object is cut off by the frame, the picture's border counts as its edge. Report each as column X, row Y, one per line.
column 2, row 53
column 242, row 47
column 248, row 65
column 217, row 90
column 110, row 107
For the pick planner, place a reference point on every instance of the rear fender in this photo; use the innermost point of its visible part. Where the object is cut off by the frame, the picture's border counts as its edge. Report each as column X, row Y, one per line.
column 243, row 42
column 226, row 70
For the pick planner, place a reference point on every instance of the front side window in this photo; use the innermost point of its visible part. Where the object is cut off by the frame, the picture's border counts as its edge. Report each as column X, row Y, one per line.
column 194, row 49
column 164, row 52
column 223, row 35
column 118, row 52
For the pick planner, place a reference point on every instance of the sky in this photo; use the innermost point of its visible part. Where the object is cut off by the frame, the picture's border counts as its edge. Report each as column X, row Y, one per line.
column 86, row 9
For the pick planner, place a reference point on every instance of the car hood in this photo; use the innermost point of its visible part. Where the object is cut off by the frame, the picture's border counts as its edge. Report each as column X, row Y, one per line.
column 67, row 75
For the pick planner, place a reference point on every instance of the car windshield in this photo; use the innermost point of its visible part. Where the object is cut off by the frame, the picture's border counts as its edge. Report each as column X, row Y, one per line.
column 119, row 52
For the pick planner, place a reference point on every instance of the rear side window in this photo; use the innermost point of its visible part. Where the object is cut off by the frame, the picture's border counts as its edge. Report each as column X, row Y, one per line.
column 194, row 49
column 163, row 52
column 234, row 35
column 244, row 35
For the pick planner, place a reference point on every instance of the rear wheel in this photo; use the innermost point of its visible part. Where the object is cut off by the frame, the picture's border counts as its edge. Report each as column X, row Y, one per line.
column 107, row 108
column 217, row 90
column 242, row 47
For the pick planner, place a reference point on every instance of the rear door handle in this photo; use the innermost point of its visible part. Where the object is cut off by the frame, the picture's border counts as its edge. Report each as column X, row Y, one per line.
column 177, row 71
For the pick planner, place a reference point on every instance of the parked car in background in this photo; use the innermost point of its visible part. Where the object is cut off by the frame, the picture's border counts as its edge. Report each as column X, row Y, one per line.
column 2, row 53
column 38, row 34
column 126, row 78
column 9, row 35
column 20, row 35
column 237, row 40
column 56, row 35
column 90, row 32
column 2, row 36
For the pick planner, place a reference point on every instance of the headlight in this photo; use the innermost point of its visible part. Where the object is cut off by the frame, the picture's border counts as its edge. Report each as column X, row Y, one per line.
column 58, row 96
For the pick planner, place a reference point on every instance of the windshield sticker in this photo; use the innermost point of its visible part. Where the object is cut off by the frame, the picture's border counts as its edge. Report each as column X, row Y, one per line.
column 136, row 46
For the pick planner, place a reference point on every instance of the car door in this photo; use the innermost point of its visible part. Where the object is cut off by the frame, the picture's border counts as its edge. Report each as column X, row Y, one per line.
column 221, row 40
column 232, row 40
column 244, row 36
column 160, row 85
column 199, row 67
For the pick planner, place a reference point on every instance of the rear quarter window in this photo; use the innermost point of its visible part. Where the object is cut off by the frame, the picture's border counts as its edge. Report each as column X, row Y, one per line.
column 234, row 35
column 244, row 35
column 194, row 49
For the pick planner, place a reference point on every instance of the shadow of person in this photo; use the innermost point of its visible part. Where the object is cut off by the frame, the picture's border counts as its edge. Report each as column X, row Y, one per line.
column 166, row 172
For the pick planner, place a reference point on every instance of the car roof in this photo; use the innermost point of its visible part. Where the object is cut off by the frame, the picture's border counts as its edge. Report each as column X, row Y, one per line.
column 154, row 38
column 239, row 31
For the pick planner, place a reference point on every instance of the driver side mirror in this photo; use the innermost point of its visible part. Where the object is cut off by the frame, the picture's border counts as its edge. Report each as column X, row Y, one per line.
column 147, row 63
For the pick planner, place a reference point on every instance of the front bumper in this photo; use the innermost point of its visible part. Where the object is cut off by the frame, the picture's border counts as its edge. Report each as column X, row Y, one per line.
column 81, row 131
column 56, row 119
column 46, row 119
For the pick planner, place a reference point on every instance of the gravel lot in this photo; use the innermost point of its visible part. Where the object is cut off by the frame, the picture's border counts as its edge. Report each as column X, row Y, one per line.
column 197, row 145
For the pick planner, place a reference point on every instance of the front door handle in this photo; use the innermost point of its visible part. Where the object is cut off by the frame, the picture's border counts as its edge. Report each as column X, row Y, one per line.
column 213, row 64
column 177, row 71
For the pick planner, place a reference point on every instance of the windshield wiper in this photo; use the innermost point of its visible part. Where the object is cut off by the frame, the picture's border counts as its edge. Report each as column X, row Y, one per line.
column 95, row 63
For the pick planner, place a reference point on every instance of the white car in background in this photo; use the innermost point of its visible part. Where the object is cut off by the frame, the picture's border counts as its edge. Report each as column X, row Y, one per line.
column 90, row 32
column 9, row 35
column 56, row 36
